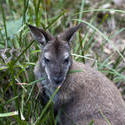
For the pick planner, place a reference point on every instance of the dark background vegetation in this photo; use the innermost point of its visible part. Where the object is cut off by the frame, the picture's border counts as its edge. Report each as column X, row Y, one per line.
column 101, row 43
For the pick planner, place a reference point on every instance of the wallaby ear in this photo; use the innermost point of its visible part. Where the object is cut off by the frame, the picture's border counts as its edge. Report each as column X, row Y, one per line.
column 40, row 35
column 68, row 34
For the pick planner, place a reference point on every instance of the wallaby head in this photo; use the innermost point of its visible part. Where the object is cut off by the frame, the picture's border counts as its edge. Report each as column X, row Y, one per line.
column 56, row 56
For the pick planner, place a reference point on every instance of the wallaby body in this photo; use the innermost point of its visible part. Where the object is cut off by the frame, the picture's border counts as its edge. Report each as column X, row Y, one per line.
column 94, row 98
column 85, row 95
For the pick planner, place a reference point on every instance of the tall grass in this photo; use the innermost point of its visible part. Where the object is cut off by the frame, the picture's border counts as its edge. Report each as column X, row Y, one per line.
column 19, row 97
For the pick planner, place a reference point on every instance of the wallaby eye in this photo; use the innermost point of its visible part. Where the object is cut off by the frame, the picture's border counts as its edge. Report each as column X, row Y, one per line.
column 66, row 60
column 46, row 60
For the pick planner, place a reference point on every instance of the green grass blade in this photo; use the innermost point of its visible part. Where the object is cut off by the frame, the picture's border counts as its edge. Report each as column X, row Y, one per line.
column 47, row 105
column 101, row 10
column 8, row 114
column 81, row 9
column 4, row 20
column 54, row 20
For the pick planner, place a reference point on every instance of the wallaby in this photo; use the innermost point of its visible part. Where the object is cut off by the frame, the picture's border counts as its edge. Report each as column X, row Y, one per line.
column 85, row 95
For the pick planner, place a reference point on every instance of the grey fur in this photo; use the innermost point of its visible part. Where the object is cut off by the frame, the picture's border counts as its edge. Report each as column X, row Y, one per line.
column 86, row 95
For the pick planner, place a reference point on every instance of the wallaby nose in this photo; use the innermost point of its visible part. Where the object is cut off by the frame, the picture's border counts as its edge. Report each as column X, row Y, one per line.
column 58, row 80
